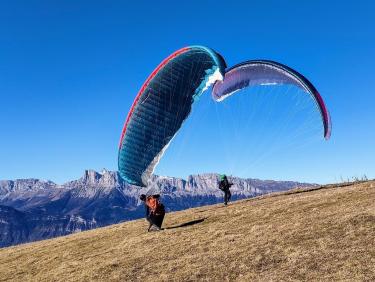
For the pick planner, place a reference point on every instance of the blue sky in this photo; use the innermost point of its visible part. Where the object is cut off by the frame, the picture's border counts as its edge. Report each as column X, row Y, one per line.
column 69, row 71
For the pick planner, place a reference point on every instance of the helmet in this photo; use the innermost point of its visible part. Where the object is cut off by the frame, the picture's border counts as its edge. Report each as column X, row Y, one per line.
column 222, row 176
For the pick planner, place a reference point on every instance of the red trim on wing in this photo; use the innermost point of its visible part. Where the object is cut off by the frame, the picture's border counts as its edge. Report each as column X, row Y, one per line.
column 325, row 114
column 145, row 84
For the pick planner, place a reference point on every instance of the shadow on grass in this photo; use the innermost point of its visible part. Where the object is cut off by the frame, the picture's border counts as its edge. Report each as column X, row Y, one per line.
column 189, row 223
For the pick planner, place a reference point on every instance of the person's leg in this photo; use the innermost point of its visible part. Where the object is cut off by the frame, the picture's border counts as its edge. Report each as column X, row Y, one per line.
column 154, row 219
column 160, row 220
column 150, row 223
column 225, row 197
column 229, row 195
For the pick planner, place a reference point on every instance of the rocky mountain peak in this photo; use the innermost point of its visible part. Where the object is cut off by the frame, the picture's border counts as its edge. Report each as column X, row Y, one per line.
column 91, row 176
column 104, row 179
column 25, row 185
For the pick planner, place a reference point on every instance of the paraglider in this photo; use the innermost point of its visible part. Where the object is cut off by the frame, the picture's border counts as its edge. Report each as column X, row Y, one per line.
column 165, row 101
column 224, row 186
column 161, row 106
column 155, row 211
column 265, row 72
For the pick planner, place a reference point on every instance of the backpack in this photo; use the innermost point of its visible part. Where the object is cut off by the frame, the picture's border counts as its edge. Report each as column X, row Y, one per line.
column 156, row 207
column 224, row 185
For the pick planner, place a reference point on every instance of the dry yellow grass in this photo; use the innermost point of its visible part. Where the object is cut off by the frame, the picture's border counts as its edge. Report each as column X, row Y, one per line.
column 326, row 235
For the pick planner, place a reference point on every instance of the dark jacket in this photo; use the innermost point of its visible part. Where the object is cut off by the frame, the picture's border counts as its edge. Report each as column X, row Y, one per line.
column 224, row 184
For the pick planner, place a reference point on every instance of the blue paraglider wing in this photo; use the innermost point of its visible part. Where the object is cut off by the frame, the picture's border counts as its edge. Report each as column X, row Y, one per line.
column 161, row 106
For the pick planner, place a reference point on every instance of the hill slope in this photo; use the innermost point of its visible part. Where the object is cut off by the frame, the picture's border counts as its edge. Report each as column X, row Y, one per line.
column 33, row 209
column 326, row 234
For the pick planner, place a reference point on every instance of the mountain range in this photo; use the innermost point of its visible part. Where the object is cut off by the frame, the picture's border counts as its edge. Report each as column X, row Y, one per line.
column 33, row 209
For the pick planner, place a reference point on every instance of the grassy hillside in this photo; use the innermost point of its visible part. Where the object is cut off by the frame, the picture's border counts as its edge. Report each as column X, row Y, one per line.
column 322, row 234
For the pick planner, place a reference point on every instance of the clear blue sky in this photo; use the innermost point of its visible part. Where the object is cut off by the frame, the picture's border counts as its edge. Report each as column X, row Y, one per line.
column 69, row 71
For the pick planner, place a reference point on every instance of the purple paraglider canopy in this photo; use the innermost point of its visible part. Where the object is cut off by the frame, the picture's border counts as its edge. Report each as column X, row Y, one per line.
column 265, row 72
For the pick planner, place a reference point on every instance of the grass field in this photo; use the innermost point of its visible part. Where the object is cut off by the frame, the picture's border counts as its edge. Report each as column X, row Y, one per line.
column 325, row 234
